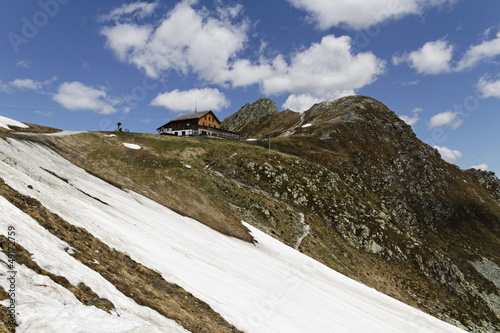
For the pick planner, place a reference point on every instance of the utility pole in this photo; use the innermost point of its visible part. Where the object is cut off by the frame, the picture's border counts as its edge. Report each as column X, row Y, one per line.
column 269, row 148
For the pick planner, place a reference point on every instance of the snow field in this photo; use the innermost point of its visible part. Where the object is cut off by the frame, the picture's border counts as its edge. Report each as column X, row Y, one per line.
column 5, row 122
column 132, row 146
column 269, row 287
column 45, row 306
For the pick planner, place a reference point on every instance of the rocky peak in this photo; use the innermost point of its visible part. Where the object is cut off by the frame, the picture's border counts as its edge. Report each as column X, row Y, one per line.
column 366, row 186
column 354, row 108
column 488, row 180
column 249, row 115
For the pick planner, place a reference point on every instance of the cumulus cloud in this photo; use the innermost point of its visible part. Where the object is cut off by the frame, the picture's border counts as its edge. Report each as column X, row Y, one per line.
column 126, row 38
column 303, row 102
column 325, row 67
column 325, row 71
column 448, row 155
column 488, row 88
column 26, row 84
column 432, row 58
column 211, row 46
column 135, row 9
column 448, row 118
column 204, row 46
column 436, row 57
column 361, row 14
column 414, row 118
column 477, row 53
column 203, row 99
column 482, row 166
column 77, row 96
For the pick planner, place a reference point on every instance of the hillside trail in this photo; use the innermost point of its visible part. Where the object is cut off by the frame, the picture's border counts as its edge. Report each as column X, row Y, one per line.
column 291, row 131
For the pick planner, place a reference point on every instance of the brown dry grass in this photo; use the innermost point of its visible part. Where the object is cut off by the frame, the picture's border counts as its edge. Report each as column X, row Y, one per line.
column 35, row 129
column 82, row 292
column 364, row 149
column 157, row 172
column 6, row 325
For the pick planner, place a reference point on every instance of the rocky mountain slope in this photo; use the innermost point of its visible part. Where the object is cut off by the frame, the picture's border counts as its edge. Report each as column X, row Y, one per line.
column 82, row 254
column 346, row 182
column 363, row 181
column 250, row 115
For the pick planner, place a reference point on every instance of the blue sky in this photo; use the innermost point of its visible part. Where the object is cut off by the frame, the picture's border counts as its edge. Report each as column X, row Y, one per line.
column 86, row 65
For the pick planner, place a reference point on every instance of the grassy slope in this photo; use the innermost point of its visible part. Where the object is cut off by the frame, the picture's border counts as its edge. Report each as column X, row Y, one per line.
column 220, row 190
column 144, row 285
column 356, row 170
column 157, row 171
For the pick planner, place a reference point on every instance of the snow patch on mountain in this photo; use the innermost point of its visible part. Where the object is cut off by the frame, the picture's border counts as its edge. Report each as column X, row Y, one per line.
column 132, row 146
column 6, row 122
column 267, row 287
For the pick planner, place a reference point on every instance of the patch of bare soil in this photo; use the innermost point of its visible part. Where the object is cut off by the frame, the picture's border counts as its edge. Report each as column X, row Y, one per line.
column 136, row 281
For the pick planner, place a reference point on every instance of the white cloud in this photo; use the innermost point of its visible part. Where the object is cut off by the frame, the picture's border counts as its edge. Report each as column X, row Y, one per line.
column 488, row 88
column 6, row 88
column 135, row 9
column 482, row 166
column 414, row 118
column 203, row 99
column 77, row 96
column 448, row 118
column 448, row 155
column 325, row 70
column 45, row 114
column 432, row 58
column 23, row 63
column 244, row 73
column 361, row 14
column 303, row 102
column 125, row 39
column 211, row 45
column 436, row 57
column 477, row 53
column 204, row 46
column 26, row 84
column 86, row 66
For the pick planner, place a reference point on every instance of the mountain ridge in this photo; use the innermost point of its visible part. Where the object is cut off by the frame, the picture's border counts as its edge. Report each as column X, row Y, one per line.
column 403, row 180
column 346, row 182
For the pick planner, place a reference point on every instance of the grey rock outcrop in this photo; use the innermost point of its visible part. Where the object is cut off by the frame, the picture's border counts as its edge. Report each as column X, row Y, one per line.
column 249, row 116
column 488, row 180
